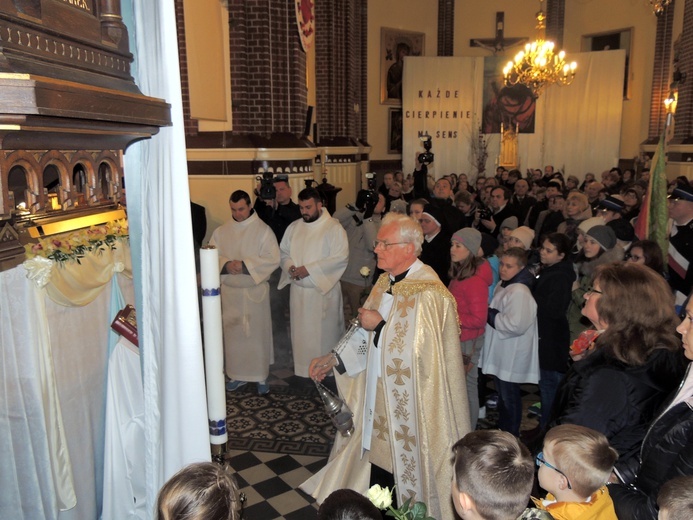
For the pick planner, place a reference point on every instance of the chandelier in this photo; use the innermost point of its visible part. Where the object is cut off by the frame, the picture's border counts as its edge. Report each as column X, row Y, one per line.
column 658, row 6
column 538, row 66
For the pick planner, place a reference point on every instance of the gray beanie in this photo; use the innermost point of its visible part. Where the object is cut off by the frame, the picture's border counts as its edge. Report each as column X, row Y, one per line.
column 604, row 236
column 469, row 238
column 510, row 223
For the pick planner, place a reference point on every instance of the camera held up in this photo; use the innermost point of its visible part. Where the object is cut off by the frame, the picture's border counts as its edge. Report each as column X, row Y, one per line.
column 427, row 156
column 267, row 189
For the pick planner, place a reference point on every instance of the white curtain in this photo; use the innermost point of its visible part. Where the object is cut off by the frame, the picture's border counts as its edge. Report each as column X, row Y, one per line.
column 176, row 429
column 580, row 125
column 52, row 365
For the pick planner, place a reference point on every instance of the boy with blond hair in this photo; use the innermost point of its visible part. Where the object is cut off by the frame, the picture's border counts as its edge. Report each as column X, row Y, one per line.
column 574, row 467
column 675, row 499
column 493, row 478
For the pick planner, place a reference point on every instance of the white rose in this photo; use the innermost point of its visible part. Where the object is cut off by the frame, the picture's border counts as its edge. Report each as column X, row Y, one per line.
column 379, row 497
column 365, row 271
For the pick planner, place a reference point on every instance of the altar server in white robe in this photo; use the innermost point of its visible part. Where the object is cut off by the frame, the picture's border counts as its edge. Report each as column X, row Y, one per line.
column 314, row 255
column 248, row 253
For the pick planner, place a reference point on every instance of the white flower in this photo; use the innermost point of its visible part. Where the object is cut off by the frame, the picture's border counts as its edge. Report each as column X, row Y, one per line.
column 38, row 269
column 380, row 497
column 365, row 271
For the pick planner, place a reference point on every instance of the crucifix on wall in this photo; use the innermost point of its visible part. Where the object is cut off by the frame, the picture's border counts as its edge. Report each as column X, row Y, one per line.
column 499, row 43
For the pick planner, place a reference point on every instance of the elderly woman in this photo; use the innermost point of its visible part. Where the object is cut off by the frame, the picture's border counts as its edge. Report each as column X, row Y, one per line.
column 577, row 209
column 633, row 364
column 667, row 450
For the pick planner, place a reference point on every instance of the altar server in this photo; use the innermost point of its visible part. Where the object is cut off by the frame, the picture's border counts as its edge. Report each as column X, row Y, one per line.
column 248, row 253
column 314, row 255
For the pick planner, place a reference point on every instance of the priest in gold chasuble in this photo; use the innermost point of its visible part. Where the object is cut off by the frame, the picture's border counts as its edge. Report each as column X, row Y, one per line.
column 407, row 391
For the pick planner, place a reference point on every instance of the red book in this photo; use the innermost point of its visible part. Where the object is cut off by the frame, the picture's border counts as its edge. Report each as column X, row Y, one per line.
column 125, row 324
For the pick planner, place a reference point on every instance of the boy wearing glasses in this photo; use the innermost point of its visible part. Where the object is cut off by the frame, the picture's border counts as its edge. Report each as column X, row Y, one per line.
column 574, row 467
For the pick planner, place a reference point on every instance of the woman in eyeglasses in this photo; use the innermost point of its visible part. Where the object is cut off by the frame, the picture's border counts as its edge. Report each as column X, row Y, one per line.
column 599, row 246
column 635, row 362
column 667, row 450
column 647, row 252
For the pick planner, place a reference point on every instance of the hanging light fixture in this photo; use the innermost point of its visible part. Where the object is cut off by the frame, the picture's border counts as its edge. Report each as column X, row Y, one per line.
column 538, row 66
column 658, row 6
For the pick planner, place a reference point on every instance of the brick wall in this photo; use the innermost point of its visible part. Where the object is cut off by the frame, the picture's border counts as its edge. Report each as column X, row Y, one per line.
column 555, row 21
column 446, row 27
column 268, row 68
column 340, row 69
column 661, row 74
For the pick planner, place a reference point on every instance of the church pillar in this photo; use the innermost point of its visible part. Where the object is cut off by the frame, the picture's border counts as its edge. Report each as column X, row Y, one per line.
column 660, row 73
column 555, row 21
column 683, row 132
column 446, row 27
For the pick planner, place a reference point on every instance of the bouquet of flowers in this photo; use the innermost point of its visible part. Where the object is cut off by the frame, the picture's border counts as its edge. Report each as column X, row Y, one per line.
column 73, row 246
column 583, row 344
column 381, row 497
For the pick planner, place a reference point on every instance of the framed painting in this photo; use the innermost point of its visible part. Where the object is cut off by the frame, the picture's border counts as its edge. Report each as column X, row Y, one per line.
column 395, row 45
column 394, row 131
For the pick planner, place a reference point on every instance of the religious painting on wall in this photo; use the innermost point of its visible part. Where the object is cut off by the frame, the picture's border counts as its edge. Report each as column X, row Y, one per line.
column 394, row 131
column 510, row 107
column 395, row 45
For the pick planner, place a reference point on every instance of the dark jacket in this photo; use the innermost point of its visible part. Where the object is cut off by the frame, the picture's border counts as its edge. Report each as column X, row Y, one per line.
column 278, row 219
column 552, row 292
column 616, row 399
column 436, row 254
column 667, row 452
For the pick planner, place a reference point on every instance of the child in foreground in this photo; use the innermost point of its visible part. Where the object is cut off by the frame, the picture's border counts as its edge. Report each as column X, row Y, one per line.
column 675, row 499
column 574, row 467
column 493, row 478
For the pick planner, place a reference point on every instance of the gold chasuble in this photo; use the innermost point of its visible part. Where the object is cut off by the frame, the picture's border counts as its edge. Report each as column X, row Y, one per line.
column 420, row 399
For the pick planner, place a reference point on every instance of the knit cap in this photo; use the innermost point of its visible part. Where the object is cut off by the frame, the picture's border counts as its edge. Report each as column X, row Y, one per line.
column 589, row 223
column 509, row 223
column 469, row 238
column 524, row 235
column 604, row 236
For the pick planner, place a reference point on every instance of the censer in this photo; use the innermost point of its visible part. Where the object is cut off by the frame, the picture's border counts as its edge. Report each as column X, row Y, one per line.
column 336, row 408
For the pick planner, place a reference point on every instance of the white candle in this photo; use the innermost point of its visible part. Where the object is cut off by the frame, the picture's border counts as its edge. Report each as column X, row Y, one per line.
column 214, row 344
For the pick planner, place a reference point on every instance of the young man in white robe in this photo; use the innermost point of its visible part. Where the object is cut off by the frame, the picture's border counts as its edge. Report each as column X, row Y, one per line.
column 314, row 255
column 248, row 253
column 404, row 384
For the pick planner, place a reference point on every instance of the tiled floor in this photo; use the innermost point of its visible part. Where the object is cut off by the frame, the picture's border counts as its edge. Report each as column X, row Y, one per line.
column 270, row 480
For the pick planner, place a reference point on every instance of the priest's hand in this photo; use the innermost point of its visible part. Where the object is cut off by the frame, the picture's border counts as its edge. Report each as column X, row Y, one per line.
column 299, row 273
column 369, row 319
column 321, row 366
column 234, row 267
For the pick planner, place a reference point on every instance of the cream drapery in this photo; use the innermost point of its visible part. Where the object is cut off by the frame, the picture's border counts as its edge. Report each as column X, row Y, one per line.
column 77, row 284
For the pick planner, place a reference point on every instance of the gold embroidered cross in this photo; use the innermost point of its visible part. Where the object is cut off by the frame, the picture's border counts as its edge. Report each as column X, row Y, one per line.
column 406, row 438
column 398, row 371
column 380, row 425
column 404, row 305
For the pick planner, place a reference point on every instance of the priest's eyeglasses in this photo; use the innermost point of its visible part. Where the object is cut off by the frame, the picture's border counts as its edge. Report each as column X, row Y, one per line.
column 541, row 460
column 386, row 245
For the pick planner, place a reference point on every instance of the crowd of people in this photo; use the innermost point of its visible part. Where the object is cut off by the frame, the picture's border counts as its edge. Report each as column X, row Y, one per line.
column 512, row 278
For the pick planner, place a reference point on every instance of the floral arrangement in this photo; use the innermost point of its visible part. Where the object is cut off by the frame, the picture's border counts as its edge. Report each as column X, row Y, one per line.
column 381, row 497
column 73, row 246
column 583, row 344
